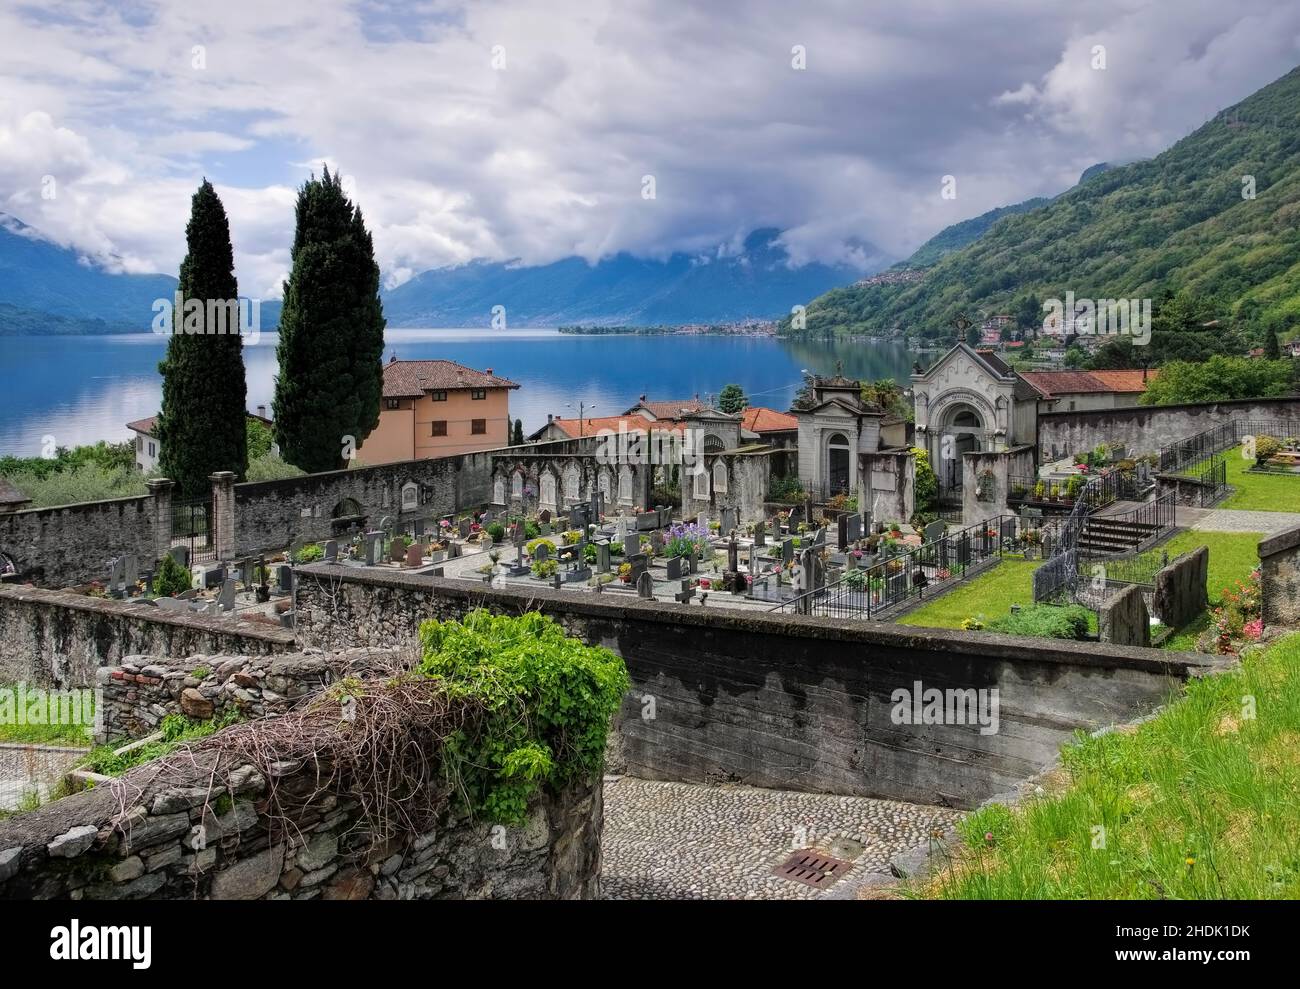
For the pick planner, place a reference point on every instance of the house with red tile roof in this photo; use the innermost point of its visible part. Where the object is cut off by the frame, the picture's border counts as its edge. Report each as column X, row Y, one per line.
column 438, row 409
column 148, row 448
column 1076, row 391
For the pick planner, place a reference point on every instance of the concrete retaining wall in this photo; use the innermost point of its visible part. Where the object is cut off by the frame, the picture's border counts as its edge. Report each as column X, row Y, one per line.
column 790, row 702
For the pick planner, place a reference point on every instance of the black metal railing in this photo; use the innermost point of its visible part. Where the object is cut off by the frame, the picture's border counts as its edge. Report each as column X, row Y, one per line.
column 868, row 592
column 1177, row 457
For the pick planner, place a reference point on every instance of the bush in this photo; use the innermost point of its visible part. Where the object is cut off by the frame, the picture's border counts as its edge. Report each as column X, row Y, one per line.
column 1266, row 448
column 269, row 467
column 309, row 553
column 785, row 489
column 545, row 569
column 84, row 482
column 532, row 547
column 497, row 531
column 171, row 578
column 546, row 698
column 1045, row 621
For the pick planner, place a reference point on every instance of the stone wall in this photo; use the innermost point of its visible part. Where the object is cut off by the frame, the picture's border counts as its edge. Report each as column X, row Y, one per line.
column 789, row 702
column 194, row 827
column 986, row 481
column 745, row 477
column 888, row 485
column 1279, row 577
column 1124, row 620
column 1180, row 593
column 269, row 515
column 59, row 639
column 1145, row 429
column 73, row 544
column 140, row 691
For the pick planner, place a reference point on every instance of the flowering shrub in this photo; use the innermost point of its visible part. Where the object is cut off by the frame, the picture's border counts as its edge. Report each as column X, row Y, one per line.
column 687, row 539
column 1240, row 617
column 545, row 569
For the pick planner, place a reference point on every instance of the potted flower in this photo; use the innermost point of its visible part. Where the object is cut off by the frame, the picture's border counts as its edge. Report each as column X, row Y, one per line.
column 625, row 572
column 1040, row 491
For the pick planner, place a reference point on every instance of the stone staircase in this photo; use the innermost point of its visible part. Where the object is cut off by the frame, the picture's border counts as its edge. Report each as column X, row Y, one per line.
column 1110, row 536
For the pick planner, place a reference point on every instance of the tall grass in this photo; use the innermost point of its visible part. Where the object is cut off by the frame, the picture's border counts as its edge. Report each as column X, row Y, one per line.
column 1201, row 802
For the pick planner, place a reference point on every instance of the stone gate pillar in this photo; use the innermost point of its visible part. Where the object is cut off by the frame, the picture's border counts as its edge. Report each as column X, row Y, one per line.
column 161, row 489
column 223, row 514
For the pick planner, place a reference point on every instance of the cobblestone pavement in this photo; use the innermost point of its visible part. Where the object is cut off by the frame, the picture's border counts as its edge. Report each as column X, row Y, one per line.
column 669, row 841
column 1234, row 520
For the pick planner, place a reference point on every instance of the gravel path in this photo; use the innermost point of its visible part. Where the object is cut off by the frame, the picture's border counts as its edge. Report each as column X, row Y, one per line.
column 668, row 841
column 1233, row 520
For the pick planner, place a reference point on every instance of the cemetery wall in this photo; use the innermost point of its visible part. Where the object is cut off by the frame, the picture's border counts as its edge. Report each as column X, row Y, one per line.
column 744, row 486
column 1145, row 429
column 59, row 639
column 786, row 701
column 890, row 482
column 1123, row 618
column 193, row 827
column 140, row 691
column 72, row 544
column 986, row 480
column 269, row 515
column 1279, row 578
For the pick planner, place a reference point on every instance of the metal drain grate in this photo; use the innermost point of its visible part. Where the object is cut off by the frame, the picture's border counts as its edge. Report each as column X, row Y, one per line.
column 812, row 868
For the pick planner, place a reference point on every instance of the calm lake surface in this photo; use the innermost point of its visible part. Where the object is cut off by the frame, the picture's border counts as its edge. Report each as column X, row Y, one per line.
column 86, row 388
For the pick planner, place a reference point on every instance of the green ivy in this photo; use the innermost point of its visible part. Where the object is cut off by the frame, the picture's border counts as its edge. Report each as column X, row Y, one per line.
column 547, row 700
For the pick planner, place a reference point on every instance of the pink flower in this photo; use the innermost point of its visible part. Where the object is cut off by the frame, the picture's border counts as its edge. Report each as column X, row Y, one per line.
column 1253, row 629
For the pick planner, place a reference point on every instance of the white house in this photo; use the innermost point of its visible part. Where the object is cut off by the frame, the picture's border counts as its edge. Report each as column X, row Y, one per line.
column 148, row 449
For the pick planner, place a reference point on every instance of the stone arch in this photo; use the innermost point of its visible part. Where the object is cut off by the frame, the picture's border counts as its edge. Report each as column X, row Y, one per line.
column 346, row 508
column 839, row 462
column 625, row 484
column 498, row 490
column 713, row 443
column 548, row 485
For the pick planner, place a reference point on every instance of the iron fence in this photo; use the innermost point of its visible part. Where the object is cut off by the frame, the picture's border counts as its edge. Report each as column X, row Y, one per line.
column 871, row 591
column 193, row 526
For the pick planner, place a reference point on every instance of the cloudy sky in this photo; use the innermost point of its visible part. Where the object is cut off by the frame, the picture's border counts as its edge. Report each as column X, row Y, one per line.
column 523, row 129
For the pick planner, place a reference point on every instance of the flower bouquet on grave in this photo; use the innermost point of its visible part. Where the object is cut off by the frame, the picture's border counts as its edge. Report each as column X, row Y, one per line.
column 625, row 572
column 704, row 583
column 943, row 573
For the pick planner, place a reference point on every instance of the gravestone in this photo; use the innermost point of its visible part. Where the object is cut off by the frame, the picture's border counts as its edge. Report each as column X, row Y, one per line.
column 934, row 531
column 213, row 576
column 760, row 534
column 753, row 561
column 692, row 563
column 116, row 576
column 796, row 516
column 963, row 549
column 1009, row 527
column 130, row 573
column 415, row 555
column 631, row 545
column 647, row 522
column 544, row 516
column 727, row 522
column 656, row 542
column 226, row 598
column 283, row 579
column 331, row 551
column 645, row 585
column 639, row 563
column 486, row 519
column 787, row 551
column 246, row 570
column 686, row 593
column 819, row 537
column 602, row 557
column 775, row 530
column 181, row 554
column 733, row 556
column 578, row 517
column 544, row 528
column 453, row 551
column 371, row 540
column 542, row 553
column 397, row 549
column 418, row 528
column 674, row 568
column 463, row 528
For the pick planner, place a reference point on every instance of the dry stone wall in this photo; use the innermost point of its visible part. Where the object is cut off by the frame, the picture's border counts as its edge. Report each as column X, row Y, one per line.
column 1279, row 574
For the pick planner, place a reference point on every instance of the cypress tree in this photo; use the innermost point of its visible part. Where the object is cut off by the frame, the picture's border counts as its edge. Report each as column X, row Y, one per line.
column 201, row 425
column 331, row 332
column 1272, row 352
column 517, row 438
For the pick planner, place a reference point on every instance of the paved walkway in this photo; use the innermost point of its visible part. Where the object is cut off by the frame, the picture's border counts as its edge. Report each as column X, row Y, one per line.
column 1234, row 520
column 674, row 841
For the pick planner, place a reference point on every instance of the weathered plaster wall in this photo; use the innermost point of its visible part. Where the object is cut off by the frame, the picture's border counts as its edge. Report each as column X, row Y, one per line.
column 59, row 639
column 745, row 476
column 888, row 485
column 1145, row 429
column 790, row 702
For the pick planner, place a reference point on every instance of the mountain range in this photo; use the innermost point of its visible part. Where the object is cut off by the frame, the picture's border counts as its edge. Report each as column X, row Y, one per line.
column 48, row 289
column 1213, row 218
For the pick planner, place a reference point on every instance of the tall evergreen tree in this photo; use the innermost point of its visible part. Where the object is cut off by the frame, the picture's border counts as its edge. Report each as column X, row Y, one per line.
column 1272, row 352
column 517, row 438
column 201, row 425
column 331, row 332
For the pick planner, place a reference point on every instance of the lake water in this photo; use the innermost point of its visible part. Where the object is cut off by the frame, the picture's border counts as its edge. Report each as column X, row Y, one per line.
column 82, row 389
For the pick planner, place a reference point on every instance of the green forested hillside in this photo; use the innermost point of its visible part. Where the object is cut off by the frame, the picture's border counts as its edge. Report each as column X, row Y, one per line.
column 1177, row 223
column 957, row 236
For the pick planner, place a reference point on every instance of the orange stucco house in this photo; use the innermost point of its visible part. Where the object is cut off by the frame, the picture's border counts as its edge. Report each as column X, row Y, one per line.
column 437, row 409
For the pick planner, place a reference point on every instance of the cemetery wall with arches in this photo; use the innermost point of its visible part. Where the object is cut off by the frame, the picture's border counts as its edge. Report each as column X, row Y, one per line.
column 529, row 483
column 737, row 481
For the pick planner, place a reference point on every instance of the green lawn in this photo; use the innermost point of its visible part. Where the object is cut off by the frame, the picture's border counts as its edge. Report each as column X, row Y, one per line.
column 987, row 597
column 1198, row 803
column 11, row 732
column 1259, row 492
column 1233, row 555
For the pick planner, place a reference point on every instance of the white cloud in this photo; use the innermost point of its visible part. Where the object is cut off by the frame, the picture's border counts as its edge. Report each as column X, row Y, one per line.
column 454, row 160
